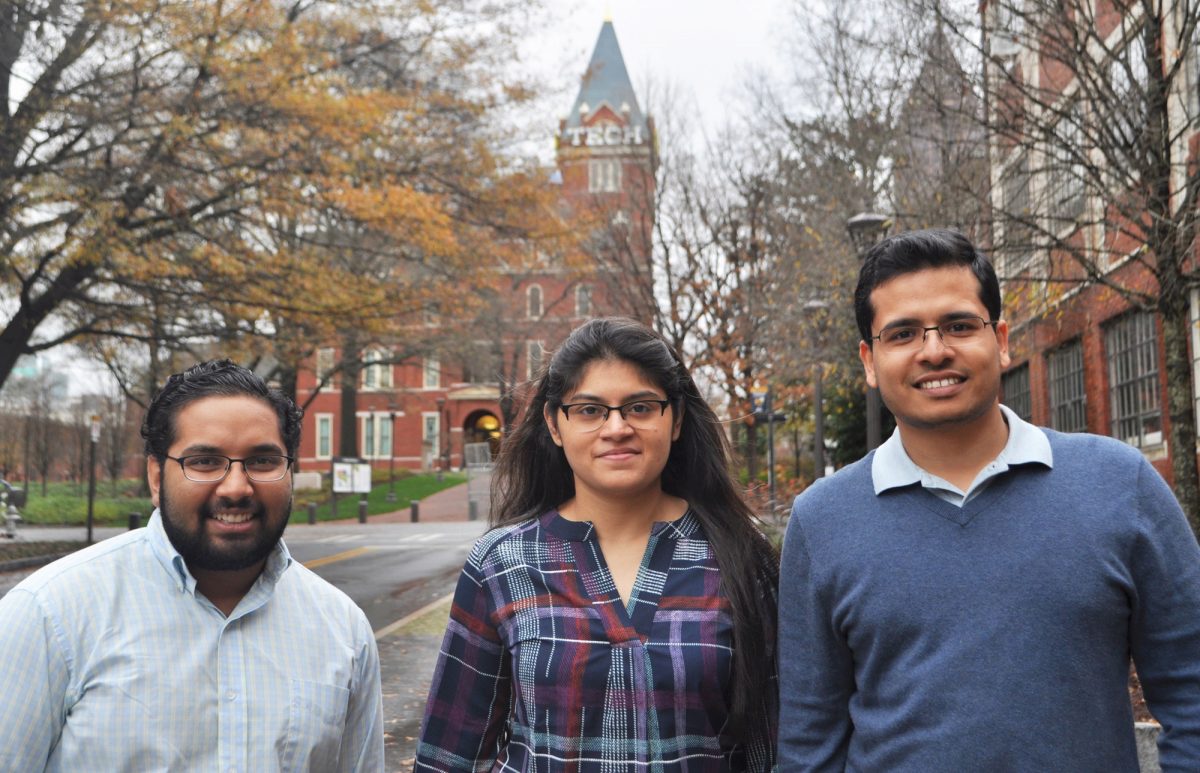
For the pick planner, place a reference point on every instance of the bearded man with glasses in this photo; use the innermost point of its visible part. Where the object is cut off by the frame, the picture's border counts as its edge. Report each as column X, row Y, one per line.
column 968, row 596
column 196, row 643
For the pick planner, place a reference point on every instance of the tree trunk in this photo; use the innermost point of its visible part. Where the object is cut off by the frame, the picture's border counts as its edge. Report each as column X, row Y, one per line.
column 17, row 333
column 1180, row 407
column 348, row 432
column 287, row 380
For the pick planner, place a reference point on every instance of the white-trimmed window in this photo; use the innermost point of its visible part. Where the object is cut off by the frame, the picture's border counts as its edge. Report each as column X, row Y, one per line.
column 324, row 435
column 375, row 431
column 1008, row 26
column 1017, row 220
column 1015, row 385
column 431, row 435
column 376, row 373
column 1131, row 345
column 533, row 302
column 1129, row 80
column 1068, row 398
column 604, row 175
column 1193, row 88
column 431, row 373
column 583, row 301
column 535, row 351
column 479, row 365
column 325, row 361
column 1065, row 181
column 1195, row 319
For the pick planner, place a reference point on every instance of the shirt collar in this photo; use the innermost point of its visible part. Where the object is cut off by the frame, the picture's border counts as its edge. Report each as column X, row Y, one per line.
column 892, row 467
column 581, row 531
column 160, row 544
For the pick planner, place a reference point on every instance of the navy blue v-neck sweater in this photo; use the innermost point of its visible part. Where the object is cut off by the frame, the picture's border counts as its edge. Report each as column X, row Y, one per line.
column 916, row 635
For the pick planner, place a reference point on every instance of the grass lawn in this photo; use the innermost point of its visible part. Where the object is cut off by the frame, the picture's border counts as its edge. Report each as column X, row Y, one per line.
column 408, row 488
column 65, row 504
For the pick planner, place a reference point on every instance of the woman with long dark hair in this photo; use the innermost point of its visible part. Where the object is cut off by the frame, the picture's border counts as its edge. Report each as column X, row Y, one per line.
column 620, row 615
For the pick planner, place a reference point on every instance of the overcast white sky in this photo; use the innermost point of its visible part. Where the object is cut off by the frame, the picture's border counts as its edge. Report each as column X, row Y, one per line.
column 704, row 47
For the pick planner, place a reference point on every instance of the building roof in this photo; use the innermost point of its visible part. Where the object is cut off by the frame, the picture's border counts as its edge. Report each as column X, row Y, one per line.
column 606, row 83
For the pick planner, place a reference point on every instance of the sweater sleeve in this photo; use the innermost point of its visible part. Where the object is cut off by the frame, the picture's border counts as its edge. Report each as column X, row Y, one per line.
column 816, row 668
column 469, row 698
column 1165, row 625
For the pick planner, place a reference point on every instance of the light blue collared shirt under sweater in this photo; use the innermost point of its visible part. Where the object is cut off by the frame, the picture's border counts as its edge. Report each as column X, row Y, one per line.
column 892, row 467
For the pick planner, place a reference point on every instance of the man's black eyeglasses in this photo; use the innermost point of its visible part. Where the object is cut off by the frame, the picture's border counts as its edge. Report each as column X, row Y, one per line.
column 211, row 468
column 959, row 329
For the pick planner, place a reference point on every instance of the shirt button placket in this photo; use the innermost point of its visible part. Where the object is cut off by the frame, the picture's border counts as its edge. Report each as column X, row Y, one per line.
column 232, row 728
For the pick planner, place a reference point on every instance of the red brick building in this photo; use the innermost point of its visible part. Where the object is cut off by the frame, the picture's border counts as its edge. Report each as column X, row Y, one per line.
column 1085, row 357
column 419, row 413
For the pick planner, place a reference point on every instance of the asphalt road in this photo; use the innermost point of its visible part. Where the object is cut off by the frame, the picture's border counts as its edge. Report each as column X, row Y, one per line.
column 390, row 570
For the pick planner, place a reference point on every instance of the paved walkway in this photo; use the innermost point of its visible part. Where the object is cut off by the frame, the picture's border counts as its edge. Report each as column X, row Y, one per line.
column 452, row 504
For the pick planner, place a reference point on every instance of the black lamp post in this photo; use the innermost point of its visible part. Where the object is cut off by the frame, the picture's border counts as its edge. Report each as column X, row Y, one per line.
column 816, row 308
column 440, row 402
column 95, row 436
column 391, row 496
column 866, row 230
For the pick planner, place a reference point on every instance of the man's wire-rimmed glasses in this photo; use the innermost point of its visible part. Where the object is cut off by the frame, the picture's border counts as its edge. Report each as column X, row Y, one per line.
column 957, row 330
column 639, row 414
column 212, row 468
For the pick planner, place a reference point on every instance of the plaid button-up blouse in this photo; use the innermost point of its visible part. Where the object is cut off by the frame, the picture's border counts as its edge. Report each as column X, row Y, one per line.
column 543, row 668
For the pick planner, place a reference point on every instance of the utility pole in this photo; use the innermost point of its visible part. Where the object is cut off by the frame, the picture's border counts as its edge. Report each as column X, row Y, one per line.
column 92, row 475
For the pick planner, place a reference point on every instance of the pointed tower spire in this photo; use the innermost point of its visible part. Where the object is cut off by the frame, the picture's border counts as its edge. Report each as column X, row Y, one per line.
column 606, row 83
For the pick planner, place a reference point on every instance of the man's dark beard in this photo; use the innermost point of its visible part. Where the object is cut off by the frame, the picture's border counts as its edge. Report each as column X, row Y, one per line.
column 198, row 551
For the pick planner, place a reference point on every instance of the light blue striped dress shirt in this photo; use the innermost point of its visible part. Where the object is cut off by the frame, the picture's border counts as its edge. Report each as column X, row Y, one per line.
column 111, row 661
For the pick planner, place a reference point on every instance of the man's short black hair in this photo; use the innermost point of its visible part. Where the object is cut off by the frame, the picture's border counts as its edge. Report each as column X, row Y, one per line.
column 215, row 378
column 914, row 251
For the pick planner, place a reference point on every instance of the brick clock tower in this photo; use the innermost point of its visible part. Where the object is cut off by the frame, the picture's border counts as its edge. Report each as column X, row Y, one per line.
column 419, row 413
column 607, row 156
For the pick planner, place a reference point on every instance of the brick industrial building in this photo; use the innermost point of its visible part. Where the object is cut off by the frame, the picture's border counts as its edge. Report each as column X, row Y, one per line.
column 1087, row 337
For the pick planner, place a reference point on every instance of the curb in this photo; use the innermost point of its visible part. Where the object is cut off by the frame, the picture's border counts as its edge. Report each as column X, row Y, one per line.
column 392, row 628
column 30, row 562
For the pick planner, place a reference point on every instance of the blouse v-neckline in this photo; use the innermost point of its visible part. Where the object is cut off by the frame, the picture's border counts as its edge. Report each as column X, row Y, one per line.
column 632, row 622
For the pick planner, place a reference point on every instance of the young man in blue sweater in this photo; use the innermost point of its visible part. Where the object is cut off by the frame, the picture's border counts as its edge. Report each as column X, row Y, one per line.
column 968, row 596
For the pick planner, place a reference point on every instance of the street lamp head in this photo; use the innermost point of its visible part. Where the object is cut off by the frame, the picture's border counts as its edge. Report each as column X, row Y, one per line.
column 866, row 229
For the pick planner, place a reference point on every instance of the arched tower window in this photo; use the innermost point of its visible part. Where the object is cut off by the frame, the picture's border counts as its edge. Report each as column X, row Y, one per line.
column 533, row 302
column 583, row 300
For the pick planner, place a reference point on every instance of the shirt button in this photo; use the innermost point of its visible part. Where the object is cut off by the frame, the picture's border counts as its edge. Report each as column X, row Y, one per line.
column 231, row 695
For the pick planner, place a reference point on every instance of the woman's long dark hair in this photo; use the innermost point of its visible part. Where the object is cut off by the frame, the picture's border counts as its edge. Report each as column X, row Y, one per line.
column 532, row 477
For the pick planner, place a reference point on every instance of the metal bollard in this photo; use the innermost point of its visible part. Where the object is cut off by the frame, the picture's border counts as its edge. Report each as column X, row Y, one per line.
column 312, row 512
column 416, row 510
column 362, row 511
column 472, row 510
column 12, row 520
column 135, row 521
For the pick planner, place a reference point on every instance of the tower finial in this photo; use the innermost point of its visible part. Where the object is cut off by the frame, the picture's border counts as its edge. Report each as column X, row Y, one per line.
column 608, row 12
